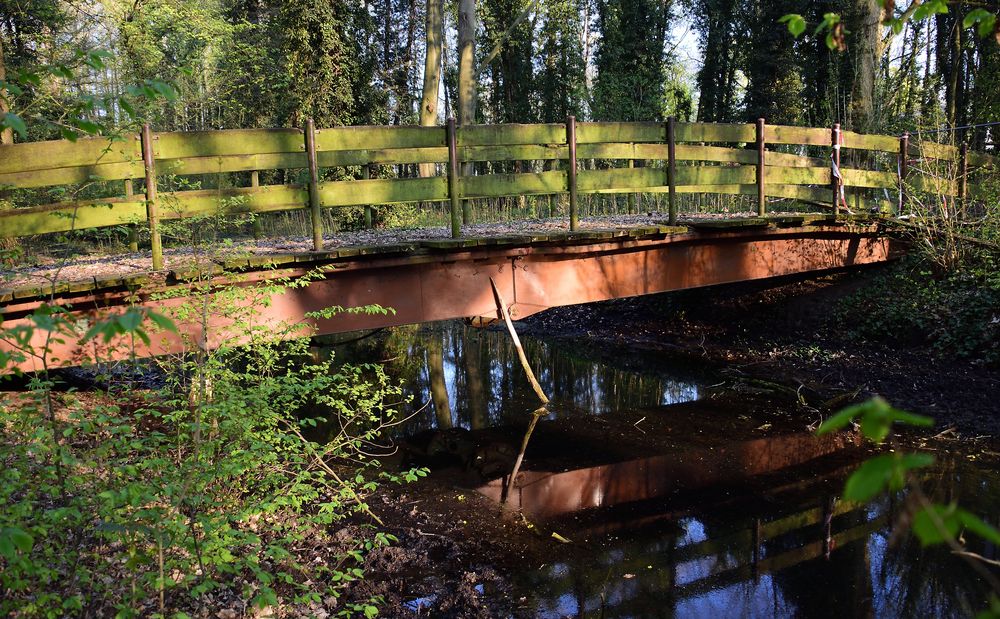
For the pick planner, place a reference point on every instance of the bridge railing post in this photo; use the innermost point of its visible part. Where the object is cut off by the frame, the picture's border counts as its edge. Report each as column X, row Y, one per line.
column 315, row 214
column 366, row 174
column 456, row 200
column 571, row 170
column 672, row 170
column 152, row 214
column 256, row 225
column 133, row 230
column 903, row 169
column 963, row 180
column 835, row 180
column 761, row 170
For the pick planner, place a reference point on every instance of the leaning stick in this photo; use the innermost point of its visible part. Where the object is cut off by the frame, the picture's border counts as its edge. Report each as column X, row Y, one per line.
column 502, row 311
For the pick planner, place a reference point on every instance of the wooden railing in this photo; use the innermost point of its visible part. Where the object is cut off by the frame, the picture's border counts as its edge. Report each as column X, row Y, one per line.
column 670, row 157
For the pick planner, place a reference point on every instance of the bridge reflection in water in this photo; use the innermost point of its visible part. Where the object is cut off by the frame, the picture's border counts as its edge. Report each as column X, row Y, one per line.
column 719, row 519
column 720, row 543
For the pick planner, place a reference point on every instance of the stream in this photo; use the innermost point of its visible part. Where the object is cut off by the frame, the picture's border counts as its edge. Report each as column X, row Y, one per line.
column 664, row 490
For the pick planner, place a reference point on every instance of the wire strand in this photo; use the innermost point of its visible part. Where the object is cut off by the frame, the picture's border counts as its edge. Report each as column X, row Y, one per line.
column 990, row 124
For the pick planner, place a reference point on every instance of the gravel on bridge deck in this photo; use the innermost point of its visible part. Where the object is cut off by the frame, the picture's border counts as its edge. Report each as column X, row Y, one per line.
column 42, row 271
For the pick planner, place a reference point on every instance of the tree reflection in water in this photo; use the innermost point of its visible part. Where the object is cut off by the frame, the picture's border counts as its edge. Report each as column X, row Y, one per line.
column 473, row 380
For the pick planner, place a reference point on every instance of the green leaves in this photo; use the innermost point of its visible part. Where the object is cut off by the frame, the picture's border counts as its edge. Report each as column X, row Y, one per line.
column 985, row 22
column 936, row 524
column 128, row 323
column 14, row 540
column 831, row 24
column 795, row 22
column 82, row 114
column 930, row 8
column 877, row 417
column 11, row 120
column 882, row 472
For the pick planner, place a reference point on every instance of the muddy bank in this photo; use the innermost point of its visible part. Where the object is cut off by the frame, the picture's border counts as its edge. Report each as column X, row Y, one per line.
column 759, row 334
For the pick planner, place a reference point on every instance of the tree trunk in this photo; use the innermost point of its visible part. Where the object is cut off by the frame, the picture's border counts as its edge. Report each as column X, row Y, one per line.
column 7, row 135
column 432, row 72
column 466, row 62
column 585, row 34
column 956, row 70
column 467, row 80
column 867, row 55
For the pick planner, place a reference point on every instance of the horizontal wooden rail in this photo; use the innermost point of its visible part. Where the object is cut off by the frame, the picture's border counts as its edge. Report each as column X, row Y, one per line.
column 707, row 158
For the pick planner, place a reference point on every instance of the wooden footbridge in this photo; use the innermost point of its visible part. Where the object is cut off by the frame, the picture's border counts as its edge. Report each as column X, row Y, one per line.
column 116, row 182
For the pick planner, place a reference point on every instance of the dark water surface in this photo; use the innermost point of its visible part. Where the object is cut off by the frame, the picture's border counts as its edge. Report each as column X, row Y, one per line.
column 680, row 500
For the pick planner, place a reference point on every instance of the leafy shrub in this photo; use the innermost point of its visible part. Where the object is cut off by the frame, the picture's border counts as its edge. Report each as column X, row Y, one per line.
column 139, row 503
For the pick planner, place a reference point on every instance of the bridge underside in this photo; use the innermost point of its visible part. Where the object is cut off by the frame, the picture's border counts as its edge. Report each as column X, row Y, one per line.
column 453, row 282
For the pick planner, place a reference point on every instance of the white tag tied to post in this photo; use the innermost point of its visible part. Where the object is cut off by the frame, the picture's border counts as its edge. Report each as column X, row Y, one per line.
column 835, row 170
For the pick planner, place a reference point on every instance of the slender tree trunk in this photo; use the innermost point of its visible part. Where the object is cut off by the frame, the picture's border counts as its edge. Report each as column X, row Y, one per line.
column 466, row 62
column 467, row 80
column 586, row 46
column 956, row 71
column 928, row 102
column 7, row 135
column 405, row 92
column 432, row 71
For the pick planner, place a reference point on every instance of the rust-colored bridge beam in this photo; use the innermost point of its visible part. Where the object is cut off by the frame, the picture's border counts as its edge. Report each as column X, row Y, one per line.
column 454, row 283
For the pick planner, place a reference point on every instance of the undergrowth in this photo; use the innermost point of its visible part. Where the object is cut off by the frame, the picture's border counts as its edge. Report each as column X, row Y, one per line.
column 204, row 493
column 955, row 313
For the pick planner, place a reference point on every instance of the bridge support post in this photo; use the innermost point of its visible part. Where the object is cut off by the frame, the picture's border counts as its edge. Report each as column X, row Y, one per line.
column 315, row 213
column 571, row 170
column 456, row 200
column 672, row 169
column 631, row 196
column 152, row 216
column 761, row 196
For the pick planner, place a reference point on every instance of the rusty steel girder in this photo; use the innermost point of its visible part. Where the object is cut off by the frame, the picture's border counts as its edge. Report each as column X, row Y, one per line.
column 454, row 283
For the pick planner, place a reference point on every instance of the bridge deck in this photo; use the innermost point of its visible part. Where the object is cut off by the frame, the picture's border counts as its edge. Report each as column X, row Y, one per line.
column 102, row 270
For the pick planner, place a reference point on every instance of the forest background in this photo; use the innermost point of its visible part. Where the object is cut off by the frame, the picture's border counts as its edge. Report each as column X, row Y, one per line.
column 270, row 63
